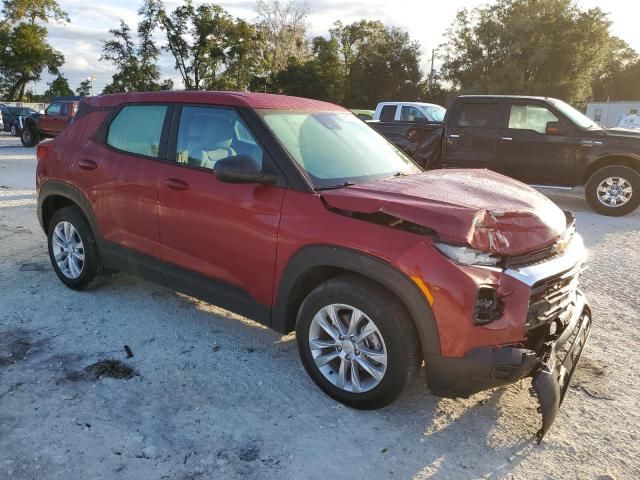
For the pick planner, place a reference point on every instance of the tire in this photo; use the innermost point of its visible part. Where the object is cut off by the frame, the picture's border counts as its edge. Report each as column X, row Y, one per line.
column 30, row 137
column 395, row 336
column 90, row 269
column 614, row 184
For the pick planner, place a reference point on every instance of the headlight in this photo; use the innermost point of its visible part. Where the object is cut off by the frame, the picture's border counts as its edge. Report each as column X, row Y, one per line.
column 466, row 255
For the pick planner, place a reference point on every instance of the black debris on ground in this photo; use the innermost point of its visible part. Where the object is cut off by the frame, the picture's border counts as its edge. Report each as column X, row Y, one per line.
column 101, row 369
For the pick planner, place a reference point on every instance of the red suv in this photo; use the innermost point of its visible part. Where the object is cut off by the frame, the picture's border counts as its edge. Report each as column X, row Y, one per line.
column 296, row 214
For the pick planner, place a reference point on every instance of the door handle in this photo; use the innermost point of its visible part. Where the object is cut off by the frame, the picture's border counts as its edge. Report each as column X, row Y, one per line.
column 175, row 184
column 86, row 164
column 506, row 139
column 454, row 135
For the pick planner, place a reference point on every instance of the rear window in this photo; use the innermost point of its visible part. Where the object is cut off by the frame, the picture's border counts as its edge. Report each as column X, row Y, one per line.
column 388, row 113
column 478, row 115
column 138, row 129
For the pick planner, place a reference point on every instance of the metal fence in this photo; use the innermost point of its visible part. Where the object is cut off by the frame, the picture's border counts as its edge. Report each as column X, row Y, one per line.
column 36, row 106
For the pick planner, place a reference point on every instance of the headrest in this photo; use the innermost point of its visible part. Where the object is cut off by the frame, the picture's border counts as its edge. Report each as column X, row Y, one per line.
column 218, row 131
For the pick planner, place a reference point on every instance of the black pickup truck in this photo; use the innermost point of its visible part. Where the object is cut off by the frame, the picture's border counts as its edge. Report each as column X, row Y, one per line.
column 537, row 140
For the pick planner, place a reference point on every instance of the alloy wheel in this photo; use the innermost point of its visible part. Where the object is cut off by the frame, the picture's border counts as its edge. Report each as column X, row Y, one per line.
column 68, row 250
column 347, row 347
column 614, row 191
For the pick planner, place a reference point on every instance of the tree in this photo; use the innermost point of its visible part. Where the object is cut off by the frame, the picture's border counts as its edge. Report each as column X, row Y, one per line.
column 136, row 62
column 31, row 10
column 84, row 90
column 534, row 47
column 620, row 79
column 26, row 53
column 58, row 87
column 284, row 26
column 211, row 50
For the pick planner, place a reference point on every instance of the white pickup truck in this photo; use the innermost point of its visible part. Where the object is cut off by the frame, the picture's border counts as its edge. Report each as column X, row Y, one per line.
column 409, row 112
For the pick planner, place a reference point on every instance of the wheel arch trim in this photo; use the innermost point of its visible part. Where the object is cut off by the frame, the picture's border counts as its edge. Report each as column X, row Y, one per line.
column 371, row 267
column 58, row 188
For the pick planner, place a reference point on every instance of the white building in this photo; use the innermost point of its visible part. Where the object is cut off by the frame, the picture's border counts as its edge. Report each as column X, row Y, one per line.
column 609, row 114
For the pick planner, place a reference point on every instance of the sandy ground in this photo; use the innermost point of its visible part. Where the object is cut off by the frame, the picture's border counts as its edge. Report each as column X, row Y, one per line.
column 217, row 396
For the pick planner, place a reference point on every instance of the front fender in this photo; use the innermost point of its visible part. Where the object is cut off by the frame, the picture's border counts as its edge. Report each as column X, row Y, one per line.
column 368, row 266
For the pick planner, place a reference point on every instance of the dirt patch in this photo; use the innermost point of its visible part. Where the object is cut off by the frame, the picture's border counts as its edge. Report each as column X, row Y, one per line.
column 591, row 377
column 14, row 347
column 101, row 369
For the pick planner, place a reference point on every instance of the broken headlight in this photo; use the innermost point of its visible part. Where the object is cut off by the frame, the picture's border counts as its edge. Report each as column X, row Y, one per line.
column 466, row 255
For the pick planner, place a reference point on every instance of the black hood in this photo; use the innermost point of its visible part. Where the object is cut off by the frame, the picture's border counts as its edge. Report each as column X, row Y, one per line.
column 622, row 133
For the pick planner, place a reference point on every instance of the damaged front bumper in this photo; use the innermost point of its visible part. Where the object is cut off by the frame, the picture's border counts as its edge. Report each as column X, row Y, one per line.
column 552, row 377
column 486, row 367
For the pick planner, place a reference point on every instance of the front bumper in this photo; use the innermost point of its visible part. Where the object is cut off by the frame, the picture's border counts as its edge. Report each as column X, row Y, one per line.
column 488, row 367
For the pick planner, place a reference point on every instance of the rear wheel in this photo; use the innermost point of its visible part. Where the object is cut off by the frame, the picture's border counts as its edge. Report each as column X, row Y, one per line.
column 30, row 137
column 614, row 190
column 72, row 249
column 357, row 342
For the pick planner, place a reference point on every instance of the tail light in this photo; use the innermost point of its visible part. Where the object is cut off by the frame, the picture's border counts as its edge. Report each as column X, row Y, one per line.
column 41, row 151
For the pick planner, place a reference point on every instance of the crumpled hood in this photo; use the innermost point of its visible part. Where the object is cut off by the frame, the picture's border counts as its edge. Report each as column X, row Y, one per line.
column 480, row 208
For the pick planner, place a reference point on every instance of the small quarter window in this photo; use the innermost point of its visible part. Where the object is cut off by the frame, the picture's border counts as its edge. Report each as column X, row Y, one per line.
column 138, row 129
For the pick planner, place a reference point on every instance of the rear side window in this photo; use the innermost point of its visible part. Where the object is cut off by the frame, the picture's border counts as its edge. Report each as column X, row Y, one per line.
column 388, row 113
column 138, row 129
column 479, row 115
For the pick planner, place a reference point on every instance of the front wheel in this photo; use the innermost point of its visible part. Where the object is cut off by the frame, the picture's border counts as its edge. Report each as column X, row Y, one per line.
column 30, row 137
column 614, row 190
column 357, row 342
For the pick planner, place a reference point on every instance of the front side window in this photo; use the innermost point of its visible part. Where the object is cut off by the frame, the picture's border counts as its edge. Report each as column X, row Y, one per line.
column 530, row 117
column 335, row 148
column 138, row 129
column 54, row 109
column 478, row 115
column 209, row 134
column 412, row 114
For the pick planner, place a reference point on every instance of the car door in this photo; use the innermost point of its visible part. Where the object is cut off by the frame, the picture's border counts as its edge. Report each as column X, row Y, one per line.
column 472, row 135
column 51, row 118
column 218, row 239
column 120, row 177
column 528, row 151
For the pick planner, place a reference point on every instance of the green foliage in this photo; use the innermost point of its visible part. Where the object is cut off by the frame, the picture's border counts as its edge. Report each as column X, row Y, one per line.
column 136, row 62
column 84, row 90
column 31, row 10
column 358, row 65
column 26, row 53
column 58, row 87
column 533, row 47
column 212, row 50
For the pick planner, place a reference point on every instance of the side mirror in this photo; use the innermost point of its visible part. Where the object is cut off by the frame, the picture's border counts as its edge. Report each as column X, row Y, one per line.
column 557, row 128
column 242, row 169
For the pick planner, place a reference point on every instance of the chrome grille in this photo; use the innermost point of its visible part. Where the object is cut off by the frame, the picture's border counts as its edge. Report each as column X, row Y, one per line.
column 551, row 299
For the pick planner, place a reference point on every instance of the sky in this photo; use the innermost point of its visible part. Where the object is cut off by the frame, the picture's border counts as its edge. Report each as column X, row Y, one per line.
column 426, row 21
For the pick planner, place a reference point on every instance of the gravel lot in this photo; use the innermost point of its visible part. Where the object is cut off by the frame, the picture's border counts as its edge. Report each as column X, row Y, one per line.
column 218, row 396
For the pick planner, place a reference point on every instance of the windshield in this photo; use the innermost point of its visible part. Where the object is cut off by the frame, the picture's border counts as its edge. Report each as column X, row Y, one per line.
column 574, row 115
column 436, row 112
column 336, row 148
